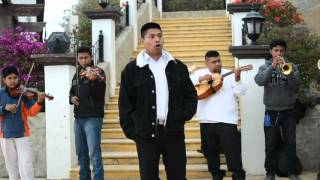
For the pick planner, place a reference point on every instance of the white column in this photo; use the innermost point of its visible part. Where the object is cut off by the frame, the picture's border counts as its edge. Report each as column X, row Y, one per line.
column 150, row 5
column 61, row 154
column 236, row 21
column 159, row 3
column 108, row 30
column 227, row 2
column 133, row 20
column 252, row 113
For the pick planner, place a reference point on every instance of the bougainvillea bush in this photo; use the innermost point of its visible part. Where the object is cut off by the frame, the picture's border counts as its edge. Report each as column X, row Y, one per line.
column 16, row 47
column 279, row 12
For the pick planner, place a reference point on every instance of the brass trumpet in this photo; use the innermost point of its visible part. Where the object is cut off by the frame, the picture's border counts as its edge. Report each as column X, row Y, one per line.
column 285, row 68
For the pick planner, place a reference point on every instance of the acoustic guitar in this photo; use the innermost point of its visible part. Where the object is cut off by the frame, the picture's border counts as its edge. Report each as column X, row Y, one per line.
column 207, row 88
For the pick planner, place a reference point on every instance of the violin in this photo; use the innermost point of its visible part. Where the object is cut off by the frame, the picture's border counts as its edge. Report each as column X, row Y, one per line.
column 84, row 73
column 29, row 93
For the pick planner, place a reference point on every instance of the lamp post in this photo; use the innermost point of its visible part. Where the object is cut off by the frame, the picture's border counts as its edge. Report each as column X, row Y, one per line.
column 103, row 3
column 253, row 24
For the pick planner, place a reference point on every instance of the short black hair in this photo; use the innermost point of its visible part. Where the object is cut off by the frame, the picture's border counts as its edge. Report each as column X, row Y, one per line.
column 84, row 49
column 211, row 53
column 9, row 70
column 278, row 42
column 147, row 26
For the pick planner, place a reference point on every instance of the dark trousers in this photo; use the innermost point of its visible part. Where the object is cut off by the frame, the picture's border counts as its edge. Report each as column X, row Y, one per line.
column 226, row 136
column 171, row 146
column 282, row 129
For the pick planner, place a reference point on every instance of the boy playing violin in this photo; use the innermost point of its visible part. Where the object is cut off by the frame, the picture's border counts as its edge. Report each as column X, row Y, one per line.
column 14, row 127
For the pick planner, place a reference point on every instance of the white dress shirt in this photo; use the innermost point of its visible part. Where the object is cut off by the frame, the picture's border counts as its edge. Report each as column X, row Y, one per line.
column 157, row 68
column 221, row 106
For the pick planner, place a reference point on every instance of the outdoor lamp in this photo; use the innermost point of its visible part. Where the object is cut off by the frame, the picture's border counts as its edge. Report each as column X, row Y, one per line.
column 103, row 3
column 253, row 24
column 58, row 42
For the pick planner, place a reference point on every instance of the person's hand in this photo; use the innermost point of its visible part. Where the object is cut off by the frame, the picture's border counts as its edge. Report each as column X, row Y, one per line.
column 11, row 108
column 41, row 97
column 75, row 100
column 237, row 74
column 206, row 77
column 91, row 75
column 276, row 61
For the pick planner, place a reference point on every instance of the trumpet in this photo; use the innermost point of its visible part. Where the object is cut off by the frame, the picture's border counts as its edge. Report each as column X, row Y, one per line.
column 285, row 68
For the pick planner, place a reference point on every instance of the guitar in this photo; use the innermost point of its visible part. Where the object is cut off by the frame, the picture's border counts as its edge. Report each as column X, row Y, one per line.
column 207, row 88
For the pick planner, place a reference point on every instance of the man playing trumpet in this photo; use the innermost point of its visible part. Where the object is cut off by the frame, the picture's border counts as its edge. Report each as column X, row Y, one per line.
column 280, row 81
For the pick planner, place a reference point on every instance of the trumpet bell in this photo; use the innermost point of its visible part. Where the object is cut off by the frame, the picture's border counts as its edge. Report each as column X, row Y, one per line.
column 286, row 68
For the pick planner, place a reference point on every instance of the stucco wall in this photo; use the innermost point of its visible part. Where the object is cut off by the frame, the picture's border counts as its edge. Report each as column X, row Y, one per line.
column 143, row 17
column 124, row 43
column 124, row 49
column 38, row 137
column 308, row 140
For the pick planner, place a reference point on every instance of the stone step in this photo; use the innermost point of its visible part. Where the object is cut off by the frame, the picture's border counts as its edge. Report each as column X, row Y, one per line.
column 131, row 172
column 185, row 55
column 221, row 27
column 201, row 31
column 184, row 48
column 196, row 43
column 198, row 35
column 183, row 40
column 112, row 105
column 109, row 145
column 109, row 123
column 117, row 133
column 191, row 20
column 194, row 46
column 128, row 157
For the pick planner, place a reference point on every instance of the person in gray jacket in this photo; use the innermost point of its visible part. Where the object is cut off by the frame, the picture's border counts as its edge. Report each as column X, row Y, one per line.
column 279, row 98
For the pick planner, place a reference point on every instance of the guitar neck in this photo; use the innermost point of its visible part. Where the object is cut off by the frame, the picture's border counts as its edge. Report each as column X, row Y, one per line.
column 227, row 74
column 243, row 68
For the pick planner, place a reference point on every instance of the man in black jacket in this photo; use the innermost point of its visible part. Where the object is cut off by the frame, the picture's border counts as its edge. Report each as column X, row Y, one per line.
column 87, row 94
column 156, row 99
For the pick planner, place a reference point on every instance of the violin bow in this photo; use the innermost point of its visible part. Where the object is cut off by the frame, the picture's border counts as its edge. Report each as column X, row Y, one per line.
column 25, row 84
column 77, row 68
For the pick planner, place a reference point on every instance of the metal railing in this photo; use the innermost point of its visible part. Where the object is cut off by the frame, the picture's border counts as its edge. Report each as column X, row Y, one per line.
column 192, row 5
column 97, row 50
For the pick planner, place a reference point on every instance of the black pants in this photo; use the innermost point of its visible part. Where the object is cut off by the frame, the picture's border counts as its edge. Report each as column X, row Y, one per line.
column 171, row 146
column 282, row 128
column 226, row 136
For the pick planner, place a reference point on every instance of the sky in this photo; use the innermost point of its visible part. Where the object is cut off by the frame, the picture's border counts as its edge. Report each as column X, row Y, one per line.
column 54, row 12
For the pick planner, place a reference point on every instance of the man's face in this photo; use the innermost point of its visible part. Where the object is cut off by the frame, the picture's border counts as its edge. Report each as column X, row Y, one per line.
column 84, row 59
column 214, row 64
column 277, row 51
column 153, row 41
column 11, row 81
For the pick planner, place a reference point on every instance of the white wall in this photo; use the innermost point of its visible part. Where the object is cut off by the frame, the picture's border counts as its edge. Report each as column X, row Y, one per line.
column 252, row 113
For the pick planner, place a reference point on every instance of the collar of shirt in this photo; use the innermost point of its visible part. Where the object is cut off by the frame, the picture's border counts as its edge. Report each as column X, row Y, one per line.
column 143, row 58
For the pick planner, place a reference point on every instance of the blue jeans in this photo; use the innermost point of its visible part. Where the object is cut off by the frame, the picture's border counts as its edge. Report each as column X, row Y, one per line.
column 88, row 139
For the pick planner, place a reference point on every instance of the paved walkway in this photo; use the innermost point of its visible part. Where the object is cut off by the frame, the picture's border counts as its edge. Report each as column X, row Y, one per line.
column 304, row 176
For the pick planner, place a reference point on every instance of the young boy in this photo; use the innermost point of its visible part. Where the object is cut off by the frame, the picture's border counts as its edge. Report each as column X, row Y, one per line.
column 14, row 126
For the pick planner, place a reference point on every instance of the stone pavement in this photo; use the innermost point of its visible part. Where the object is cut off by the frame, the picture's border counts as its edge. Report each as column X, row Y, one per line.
column 304, row 176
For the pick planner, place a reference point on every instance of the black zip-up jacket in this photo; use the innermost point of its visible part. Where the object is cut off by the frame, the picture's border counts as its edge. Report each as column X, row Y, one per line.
column 92, row 95
column 138, row 95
